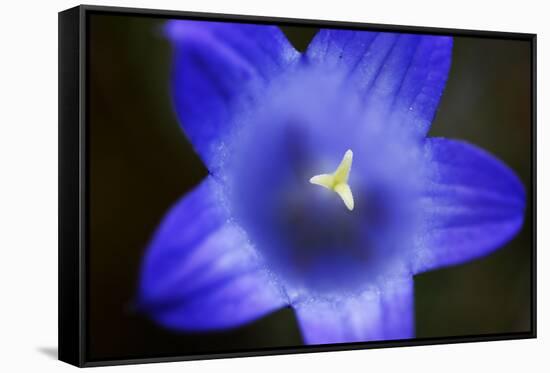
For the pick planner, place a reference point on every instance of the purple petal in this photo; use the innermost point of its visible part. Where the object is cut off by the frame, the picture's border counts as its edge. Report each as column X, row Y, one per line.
column 200, row 271
column 216, row 66
column 473, row 204
column 400, row 76
column 382, row 314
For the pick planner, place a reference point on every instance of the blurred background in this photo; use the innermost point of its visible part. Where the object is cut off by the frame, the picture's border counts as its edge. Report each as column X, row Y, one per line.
column 141, row 162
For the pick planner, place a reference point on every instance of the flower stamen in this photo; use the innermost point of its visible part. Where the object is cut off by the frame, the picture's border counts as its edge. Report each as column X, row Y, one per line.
column 338, row 180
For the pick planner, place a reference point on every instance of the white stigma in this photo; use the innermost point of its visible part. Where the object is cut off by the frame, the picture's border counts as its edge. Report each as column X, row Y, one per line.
column 338, row 180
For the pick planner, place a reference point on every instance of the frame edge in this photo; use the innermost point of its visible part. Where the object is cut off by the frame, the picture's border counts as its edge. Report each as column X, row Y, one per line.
column 69, row 218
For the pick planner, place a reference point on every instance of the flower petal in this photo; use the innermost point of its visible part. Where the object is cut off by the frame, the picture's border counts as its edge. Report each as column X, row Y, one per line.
column 375, row 315
column 399, row 76
column 200, row 272
column 473, row 204
column 215, row 67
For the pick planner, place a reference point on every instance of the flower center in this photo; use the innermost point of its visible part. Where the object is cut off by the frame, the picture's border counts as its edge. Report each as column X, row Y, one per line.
column 302, row 232
column 338, row 180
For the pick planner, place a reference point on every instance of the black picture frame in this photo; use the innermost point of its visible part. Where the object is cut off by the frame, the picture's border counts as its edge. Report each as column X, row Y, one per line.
column 74, row 180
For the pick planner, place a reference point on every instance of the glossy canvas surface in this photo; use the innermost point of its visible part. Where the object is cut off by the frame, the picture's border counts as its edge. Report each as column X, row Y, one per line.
column 262, row 187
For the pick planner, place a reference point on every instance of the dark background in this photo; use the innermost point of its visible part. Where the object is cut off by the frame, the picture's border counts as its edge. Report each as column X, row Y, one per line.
column 141, row 163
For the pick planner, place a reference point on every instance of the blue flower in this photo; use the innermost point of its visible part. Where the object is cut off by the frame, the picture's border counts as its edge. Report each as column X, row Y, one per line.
column 324, row 192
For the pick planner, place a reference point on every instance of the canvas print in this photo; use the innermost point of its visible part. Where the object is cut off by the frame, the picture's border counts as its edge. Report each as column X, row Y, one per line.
column 263, row 186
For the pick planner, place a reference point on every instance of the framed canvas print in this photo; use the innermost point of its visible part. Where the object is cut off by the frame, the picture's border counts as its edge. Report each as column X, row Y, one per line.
column 238, row 186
